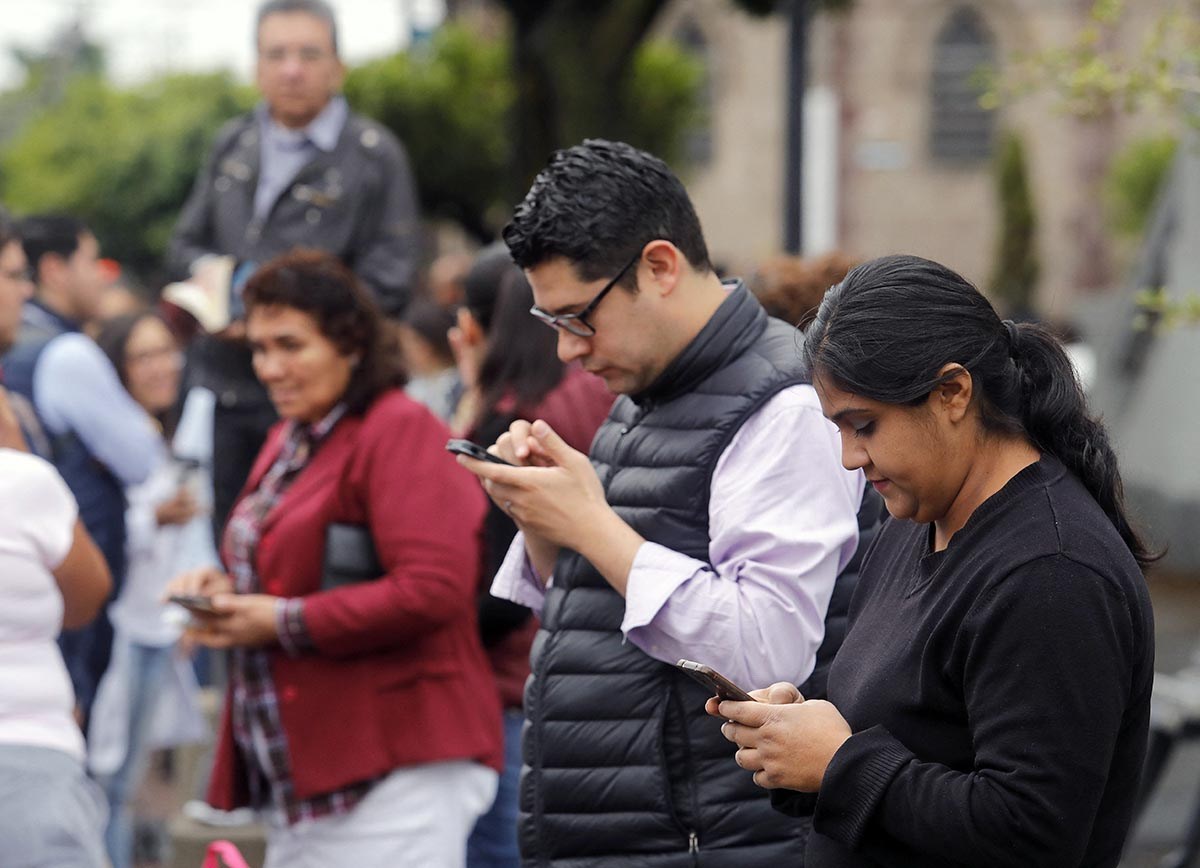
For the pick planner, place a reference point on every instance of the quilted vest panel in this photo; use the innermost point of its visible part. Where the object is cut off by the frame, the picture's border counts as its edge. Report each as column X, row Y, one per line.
column 622, row 765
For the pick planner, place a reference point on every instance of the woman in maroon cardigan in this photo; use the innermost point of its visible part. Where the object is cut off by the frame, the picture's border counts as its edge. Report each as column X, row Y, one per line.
column 361, row 716
column 509, row 364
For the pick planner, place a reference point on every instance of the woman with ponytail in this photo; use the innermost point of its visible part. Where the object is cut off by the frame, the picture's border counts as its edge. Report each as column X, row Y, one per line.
column 990, row 704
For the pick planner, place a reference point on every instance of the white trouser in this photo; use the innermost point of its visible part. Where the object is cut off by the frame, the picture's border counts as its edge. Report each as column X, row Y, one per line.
column 416, row 817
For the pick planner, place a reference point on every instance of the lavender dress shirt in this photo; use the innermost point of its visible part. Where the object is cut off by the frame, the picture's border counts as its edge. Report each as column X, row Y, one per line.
column 783, row 523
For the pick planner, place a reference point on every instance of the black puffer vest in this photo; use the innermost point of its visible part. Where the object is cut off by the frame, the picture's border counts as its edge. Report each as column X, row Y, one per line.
column 623, row 767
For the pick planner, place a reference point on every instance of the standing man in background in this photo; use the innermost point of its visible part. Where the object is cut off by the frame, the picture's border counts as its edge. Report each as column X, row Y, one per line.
column 100, row 439
column 301, row 170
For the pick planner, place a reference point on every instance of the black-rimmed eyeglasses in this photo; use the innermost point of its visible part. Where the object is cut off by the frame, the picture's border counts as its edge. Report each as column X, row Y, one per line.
column 577, row 323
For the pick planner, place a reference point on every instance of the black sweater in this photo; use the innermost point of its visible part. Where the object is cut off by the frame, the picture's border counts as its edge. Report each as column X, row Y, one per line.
column 998, row 691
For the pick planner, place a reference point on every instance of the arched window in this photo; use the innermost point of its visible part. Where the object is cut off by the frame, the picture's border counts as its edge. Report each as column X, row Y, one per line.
column 960, row 130
column 698, row 146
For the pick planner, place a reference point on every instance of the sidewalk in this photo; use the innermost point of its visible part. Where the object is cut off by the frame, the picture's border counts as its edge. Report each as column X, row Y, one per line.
column 1177, row 627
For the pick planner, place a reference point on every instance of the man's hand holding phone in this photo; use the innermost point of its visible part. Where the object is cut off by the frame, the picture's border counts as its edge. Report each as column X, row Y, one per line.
column 556, row 498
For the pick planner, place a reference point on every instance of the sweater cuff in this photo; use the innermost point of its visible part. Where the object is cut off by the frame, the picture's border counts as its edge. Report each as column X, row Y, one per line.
column 855, row 782
column 289, row 624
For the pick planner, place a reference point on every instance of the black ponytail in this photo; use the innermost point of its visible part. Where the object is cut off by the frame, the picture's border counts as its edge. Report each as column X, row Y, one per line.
column 888, row 329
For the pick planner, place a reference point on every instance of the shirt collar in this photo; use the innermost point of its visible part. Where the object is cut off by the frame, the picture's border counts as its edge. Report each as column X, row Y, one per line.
column 323, row 131
column 317, row 431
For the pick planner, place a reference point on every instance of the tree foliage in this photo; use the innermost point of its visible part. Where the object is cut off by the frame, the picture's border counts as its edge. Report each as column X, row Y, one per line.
column 1016, row 267
column 1134, row 180
column 1093, row 74
column 121, row 159
column 452, row 104
column 574, row 62
column 124, row 159
column 449, row 103
column 479, row 118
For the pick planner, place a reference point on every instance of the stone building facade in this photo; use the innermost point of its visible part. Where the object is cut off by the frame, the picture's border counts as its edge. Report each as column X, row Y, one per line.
column 887, row 169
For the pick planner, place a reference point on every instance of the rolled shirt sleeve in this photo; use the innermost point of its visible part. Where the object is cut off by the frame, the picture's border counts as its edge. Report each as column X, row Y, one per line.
column 76, row 389
column 783, row 523
column 517, row 581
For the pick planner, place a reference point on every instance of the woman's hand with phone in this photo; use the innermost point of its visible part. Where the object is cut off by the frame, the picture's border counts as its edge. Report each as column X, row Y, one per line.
column 785, row 741
column 240, row 621
column 201, row 582
column 236, row 620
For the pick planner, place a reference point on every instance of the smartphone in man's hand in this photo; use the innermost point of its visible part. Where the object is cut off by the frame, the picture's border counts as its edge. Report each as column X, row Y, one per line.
column 473, row 450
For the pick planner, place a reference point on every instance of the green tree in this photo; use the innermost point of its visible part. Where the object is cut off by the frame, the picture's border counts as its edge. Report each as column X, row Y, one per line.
column 1133, row 182
column 122, row 160
column 453, row 103
column 47, row 74
column 574, row 62
column 1016, row 267
column 449, row 104
column 1094, row 73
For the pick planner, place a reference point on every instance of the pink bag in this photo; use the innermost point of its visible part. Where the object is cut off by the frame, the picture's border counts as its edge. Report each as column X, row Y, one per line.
column 222, row 854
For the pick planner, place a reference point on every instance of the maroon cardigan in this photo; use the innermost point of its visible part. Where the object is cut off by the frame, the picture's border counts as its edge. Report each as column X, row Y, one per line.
column 399, row 676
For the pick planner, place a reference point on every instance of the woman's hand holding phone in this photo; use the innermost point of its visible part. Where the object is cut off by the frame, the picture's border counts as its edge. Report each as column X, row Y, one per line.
column 201, row 582
column 226, row 620
column 784, row 740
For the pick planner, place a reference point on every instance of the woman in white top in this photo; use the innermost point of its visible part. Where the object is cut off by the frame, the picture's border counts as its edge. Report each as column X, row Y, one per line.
column 148, row 696
column 54, row 577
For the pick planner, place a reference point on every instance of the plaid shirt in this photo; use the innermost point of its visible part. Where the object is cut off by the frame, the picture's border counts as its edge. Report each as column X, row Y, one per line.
column 257, row 728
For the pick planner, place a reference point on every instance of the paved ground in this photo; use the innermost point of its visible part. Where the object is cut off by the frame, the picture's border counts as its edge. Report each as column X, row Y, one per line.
column 1177, row 619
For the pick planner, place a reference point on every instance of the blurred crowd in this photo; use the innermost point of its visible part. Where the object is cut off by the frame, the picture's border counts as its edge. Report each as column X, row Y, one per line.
column 240, row 481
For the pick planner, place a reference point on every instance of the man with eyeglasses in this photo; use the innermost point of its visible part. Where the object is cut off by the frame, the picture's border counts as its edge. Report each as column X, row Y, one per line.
column 301, row 170
column 98, row 438
column 712, row 520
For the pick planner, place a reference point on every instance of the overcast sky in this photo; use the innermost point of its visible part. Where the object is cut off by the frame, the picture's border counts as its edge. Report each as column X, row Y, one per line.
column 142, row 38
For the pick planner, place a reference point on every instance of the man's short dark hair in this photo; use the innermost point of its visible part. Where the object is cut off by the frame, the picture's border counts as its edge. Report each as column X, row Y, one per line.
column 42, row 234
column 316, row 8
column 597, row 204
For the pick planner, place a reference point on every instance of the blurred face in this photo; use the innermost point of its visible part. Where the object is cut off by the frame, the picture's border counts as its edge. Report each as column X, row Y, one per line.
column 298, row 71
column 903, row 451
column 83, row 280
column 420, row 357
column 304, row 372
column 152, row 365
column 15, row 289
column 627, row 351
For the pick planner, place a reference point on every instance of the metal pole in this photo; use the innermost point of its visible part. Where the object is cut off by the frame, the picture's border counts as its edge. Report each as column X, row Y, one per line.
column 793, row 184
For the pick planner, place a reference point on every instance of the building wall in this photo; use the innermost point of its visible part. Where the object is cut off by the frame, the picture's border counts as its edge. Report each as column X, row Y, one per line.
column 738, row 193
column 892, row 195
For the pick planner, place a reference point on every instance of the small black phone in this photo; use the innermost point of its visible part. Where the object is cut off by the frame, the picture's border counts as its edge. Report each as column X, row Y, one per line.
column 195, row 603
column 721, row 686
column 474, row 450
